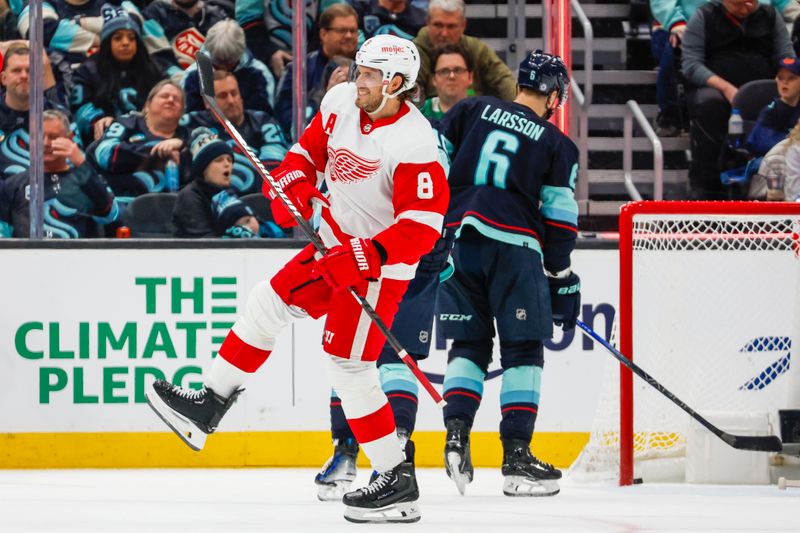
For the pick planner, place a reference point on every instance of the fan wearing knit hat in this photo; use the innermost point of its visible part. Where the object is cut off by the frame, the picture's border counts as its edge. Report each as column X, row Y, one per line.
column 207, row 207
column 117, row 79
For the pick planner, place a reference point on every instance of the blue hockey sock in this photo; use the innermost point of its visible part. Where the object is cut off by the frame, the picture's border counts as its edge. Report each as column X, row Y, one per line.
column 463, row 389
column 400, row 386
column 519, row 401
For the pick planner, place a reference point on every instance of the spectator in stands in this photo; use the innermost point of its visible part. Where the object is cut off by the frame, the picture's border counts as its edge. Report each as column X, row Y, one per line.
column 726, row 44
column 773, row 125
column 72, row 33
column 14, row 141
column 133, row 152
column 446, row 25
column 75, row 198
column 225, row 44
column 338, row 35
column 395, row 17
column 185, row 24
column 207, row 207
column 778, row 176
column 258, row 129
column 269, row 31
column 672, row 16
column 452, row 78
column 116, row 79
column 780, row 116
column 250, row 16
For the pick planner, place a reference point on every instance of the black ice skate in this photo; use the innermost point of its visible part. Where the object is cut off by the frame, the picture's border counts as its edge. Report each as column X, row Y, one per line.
column 191, row 414
column 408, row 450
column 524, row 474
column 392, row 497
column 338, row 472
column 457, row 459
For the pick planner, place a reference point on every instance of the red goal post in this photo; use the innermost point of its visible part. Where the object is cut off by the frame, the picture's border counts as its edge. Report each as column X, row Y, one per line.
column 679, row 229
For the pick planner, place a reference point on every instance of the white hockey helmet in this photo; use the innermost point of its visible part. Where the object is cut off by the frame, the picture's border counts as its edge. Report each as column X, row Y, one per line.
column 391, row 55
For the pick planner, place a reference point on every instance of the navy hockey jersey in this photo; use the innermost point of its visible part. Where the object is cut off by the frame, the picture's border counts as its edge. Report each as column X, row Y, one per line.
column 512, row 177
column 123, row 157
column 186, row 34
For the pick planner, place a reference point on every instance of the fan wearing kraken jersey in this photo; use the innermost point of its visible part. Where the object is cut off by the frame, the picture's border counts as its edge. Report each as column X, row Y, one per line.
column 513, row 209
column 379, row 159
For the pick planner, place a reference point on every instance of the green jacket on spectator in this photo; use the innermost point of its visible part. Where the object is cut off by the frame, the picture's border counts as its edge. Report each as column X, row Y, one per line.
column 491, row 76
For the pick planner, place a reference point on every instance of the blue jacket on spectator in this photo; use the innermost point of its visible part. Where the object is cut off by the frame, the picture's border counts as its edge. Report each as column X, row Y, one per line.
column 256, row 82
column 374, row 19
column 14, row 138
column 262, row 134
column 122, row 155
column 74, row 201
column 64, row 34
column 186, row 34
column 774, row 123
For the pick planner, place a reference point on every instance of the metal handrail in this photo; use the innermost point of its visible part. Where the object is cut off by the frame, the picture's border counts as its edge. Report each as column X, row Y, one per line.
column 584, row 97
column 632, row 111
column 584, row 100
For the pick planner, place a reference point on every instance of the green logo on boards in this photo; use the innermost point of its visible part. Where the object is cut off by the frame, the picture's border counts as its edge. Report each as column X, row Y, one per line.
column 176, row 317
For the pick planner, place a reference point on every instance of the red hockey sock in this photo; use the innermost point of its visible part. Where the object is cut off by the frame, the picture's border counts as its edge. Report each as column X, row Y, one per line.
column 241, row 355
column 374, row 425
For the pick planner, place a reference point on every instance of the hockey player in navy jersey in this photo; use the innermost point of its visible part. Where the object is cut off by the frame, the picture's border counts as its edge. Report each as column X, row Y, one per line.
column 388, row 193
column 512, row 206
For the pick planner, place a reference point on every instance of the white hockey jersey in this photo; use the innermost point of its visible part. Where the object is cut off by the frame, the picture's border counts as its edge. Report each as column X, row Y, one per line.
column 384, row 178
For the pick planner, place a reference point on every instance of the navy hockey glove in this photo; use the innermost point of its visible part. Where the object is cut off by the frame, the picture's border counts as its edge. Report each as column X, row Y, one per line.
column 565, row 299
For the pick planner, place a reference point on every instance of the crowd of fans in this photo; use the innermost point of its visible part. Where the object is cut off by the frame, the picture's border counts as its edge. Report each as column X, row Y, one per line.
column 125, row 117
column 711, row 49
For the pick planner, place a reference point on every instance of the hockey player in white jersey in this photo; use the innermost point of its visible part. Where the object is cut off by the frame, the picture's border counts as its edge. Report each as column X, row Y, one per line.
column 387, row 197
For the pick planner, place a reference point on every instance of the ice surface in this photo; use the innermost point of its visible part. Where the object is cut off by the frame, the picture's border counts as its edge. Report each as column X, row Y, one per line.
column 278, row 500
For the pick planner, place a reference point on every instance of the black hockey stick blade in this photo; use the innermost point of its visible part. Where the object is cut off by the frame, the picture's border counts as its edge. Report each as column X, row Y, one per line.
column 205, row 71
column 767, row 443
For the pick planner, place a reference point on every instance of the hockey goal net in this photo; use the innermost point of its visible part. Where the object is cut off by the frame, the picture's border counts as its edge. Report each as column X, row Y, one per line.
column 708, row 306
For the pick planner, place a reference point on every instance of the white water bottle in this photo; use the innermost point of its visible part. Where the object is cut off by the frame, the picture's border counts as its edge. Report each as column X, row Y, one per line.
column 735, row 129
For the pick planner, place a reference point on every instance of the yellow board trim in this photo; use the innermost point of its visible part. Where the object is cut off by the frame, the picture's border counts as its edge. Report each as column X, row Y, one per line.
column 261, row 449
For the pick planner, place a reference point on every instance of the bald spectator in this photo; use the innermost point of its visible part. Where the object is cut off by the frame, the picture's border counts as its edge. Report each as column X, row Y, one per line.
column 446, row 24
column 727, row 43
column 76, row 199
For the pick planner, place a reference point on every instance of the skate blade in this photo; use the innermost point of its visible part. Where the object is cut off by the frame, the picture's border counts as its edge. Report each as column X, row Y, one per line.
column 334, row 491
column 454, row 471
column 184, row 428
column 522, row 486
column 396, row 513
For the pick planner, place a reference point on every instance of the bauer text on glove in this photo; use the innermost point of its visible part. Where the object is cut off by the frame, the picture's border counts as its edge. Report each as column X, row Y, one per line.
column 348, row 265
column 301, row 193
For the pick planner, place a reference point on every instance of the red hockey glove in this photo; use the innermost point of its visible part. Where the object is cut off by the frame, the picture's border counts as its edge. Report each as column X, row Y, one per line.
column 302, row 194
column 348, row 265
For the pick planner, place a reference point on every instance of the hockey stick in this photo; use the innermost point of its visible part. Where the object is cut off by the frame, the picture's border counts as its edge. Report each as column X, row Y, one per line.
column 769, row 443
column 206, row 75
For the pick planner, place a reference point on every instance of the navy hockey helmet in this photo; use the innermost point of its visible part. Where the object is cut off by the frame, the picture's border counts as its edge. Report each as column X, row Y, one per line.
column 545, row 73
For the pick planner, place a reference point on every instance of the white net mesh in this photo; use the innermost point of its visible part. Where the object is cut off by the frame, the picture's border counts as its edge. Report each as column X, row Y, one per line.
column 713, row 306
